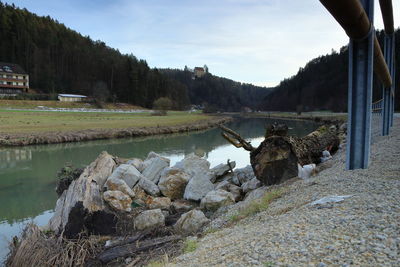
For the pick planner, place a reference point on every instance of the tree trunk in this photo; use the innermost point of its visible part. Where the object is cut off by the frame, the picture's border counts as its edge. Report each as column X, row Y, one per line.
column 276, row 159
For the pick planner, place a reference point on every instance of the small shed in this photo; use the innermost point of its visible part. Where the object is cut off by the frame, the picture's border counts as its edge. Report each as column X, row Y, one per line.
column 71, row 98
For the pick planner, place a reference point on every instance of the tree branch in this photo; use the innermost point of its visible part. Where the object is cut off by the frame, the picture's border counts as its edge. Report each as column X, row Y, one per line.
column 235, row 139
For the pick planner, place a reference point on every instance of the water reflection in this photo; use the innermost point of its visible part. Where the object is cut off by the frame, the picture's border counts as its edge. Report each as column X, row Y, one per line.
column 27, row 174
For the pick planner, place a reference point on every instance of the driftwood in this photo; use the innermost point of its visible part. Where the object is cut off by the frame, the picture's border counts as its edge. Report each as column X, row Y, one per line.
column 276, row 158
column 235, row 139
column 135, row 246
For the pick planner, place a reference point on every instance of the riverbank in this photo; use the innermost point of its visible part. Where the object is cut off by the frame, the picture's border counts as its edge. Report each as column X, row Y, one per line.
column 55, row 104
column 20, row 128
column 323, row 117
column 360, row 230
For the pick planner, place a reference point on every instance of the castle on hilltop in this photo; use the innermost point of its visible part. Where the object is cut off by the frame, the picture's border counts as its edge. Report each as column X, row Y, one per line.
column 198, row 72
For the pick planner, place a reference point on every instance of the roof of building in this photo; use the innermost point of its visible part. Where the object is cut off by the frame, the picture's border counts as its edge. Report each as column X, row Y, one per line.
column 11, row 68
column 199, row 68
column 70, row 95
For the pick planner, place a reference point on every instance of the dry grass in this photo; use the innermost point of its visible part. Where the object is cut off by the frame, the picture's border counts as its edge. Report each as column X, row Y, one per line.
column 43, row 121
column 39, row 249
column 189, row 246
column 257, row 205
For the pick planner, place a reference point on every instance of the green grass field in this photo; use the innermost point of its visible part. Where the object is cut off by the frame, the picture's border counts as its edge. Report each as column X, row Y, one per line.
column 43, row 121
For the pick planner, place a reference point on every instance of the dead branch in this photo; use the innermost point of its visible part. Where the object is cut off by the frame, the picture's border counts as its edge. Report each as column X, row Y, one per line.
column 235, row 139
column 132, row 248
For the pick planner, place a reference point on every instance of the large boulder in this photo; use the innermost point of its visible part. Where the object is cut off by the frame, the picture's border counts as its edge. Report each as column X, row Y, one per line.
column 181, row 205
column 198, row 187
column 243, row 175
column 154, row 167
column 222, row 185
column 102, row 168
column 216, row 199
column 137, row 163
column 255, row 194
column 222, row 169
column 194, row 165
column 163, row 203
column 115, row 184
column 118, row 200
column 82, row 207
column 173, row 182
column 149, row 219
column 128, row 173
column 141, row 197
column 153, row 154
column 251, row 185
column 149, row 187
column 229, row 187
column 191, row 222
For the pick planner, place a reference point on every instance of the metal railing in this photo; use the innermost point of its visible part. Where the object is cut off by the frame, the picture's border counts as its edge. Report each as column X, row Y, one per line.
column 377, row 107
column 365, row 57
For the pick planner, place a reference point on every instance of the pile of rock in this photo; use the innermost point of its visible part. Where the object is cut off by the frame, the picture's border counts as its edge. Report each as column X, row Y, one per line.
column 110, row 186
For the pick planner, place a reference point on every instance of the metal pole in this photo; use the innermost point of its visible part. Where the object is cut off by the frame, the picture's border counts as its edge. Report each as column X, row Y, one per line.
column 393, row 74
column 387, row 15
column 361, row 57
column 387, row 91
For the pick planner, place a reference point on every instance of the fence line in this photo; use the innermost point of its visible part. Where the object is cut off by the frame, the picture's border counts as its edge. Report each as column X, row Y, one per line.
column 365, row 56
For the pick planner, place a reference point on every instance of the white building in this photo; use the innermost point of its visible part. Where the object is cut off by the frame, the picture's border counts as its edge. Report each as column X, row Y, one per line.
column 71, row 98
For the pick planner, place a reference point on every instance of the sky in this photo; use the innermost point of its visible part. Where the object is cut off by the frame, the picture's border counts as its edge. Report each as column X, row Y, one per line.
column 251, row 41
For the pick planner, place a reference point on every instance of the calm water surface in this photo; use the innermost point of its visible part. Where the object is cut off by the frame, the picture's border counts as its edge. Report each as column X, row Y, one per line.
column 27, row 174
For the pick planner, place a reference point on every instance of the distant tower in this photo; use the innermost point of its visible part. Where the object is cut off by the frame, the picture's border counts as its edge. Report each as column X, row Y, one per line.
column 205, row 68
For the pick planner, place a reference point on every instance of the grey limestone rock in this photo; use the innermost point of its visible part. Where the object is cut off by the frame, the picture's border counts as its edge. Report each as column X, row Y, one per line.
column 155, row 166
column 173, row 182
column 251, row 185
column 198, row 187
column 118, row 200
column 149, row 187
column 216, row 199
column 128, row 173
column 81, row 206
column 223, row 169
column 149, row 219
column 115, row 184
column 191, row 222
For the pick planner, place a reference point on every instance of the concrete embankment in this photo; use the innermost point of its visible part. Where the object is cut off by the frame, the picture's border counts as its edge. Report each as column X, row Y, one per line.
column 22, row 139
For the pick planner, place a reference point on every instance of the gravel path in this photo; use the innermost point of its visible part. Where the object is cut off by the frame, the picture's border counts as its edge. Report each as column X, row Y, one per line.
column 362, row 230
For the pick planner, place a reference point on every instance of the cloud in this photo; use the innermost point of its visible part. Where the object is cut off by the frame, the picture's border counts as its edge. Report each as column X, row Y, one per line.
column 254, row 41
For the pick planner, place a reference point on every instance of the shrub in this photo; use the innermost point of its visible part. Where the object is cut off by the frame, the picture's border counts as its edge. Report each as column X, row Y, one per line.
column 210, row 109
column 162, row 104
column 65, row 177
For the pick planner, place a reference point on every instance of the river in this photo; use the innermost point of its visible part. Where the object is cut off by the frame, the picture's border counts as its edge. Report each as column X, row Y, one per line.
column 28, row 174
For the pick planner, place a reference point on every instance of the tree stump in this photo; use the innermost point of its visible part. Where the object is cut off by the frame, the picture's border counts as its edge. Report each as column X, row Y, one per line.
column 275, row 160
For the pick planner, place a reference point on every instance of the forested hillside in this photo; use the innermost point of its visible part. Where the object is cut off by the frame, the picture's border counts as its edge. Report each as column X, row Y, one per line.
column 59, row 59
column 216, row 92
column 322, row 84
